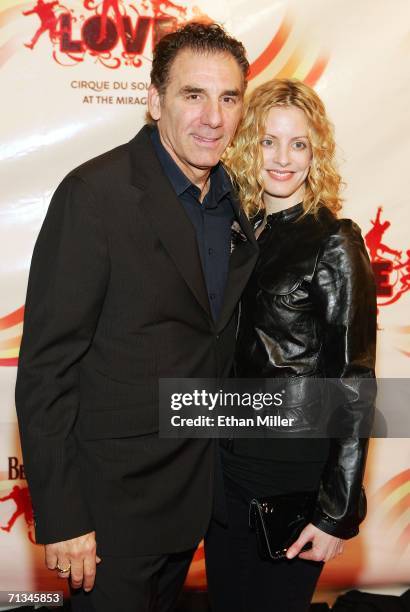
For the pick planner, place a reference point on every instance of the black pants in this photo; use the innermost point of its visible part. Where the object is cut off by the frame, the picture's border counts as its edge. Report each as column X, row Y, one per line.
column 135, row 584
column 238, row 579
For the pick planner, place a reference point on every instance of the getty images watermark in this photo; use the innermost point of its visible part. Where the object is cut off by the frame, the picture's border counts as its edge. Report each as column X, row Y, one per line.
column 292, row 407
column 203, row 399
column 287, row 407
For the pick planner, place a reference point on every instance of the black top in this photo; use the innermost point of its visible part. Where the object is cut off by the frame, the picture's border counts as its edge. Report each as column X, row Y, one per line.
column 212, row 219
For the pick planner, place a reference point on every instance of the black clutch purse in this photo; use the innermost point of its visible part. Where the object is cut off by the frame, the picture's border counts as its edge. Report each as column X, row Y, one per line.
column 279, row 520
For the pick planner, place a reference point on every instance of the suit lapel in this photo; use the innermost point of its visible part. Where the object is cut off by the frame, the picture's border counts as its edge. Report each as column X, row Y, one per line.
column 167, row 216
column 241, row 264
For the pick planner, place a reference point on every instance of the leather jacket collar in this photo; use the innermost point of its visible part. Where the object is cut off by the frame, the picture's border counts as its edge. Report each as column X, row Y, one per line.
column 283, row 216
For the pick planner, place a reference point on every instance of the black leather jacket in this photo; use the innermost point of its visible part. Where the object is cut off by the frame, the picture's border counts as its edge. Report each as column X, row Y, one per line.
column 310, row 310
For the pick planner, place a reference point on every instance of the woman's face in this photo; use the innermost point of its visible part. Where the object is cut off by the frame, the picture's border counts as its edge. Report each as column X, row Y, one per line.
column 286, row 155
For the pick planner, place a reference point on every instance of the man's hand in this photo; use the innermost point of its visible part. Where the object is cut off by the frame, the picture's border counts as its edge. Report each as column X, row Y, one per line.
column 78, row 556
column 324, row 546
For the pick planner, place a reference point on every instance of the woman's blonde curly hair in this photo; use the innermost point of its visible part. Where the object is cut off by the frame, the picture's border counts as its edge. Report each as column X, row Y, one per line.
column 244, row 158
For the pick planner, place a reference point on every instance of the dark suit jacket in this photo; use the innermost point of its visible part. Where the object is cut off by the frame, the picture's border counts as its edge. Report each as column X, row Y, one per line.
column 116, row 299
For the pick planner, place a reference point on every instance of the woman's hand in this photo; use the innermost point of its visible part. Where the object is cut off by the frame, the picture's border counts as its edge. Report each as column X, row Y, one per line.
column 324, row 546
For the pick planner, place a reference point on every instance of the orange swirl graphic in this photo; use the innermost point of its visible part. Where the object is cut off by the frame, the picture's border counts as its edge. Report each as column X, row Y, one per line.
column 196, row 578
column 10, row 346
column 317, row 70
column 289, row 56
column 272, row 49
column 10, row 14
column 393, row 505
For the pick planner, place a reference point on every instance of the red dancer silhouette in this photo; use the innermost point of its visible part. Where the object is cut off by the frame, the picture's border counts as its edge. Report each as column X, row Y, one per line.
column 21, row 497
column 107, row 5
column 48, row 20
column 373, row 238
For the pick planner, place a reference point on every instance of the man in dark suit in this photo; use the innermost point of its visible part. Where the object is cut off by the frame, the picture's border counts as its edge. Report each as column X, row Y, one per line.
column 132, row 279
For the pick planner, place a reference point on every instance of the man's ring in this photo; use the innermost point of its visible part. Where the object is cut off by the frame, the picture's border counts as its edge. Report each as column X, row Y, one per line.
column 63, row 570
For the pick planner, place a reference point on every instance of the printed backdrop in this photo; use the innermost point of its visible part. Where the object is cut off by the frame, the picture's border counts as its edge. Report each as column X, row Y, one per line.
column 74, row 77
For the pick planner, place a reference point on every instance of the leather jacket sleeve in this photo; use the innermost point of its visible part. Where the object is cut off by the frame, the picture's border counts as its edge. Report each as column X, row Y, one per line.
column 344, row 291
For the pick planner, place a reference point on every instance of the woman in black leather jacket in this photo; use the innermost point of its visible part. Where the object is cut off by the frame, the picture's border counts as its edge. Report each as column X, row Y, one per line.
column 309, row 310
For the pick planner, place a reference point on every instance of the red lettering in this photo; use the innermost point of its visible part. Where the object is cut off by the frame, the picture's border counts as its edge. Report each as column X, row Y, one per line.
column 101, row 35
column 92, row 31
column 136, row 38
column 382, row 271
column 67, row 44
column 14, row 468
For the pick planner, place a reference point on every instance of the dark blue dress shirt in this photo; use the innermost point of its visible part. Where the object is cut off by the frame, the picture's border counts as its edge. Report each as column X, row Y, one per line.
column 212, row 219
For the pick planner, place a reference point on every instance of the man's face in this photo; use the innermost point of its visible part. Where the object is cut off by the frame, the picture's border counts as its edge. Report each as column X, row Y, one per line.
column 200, row 110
